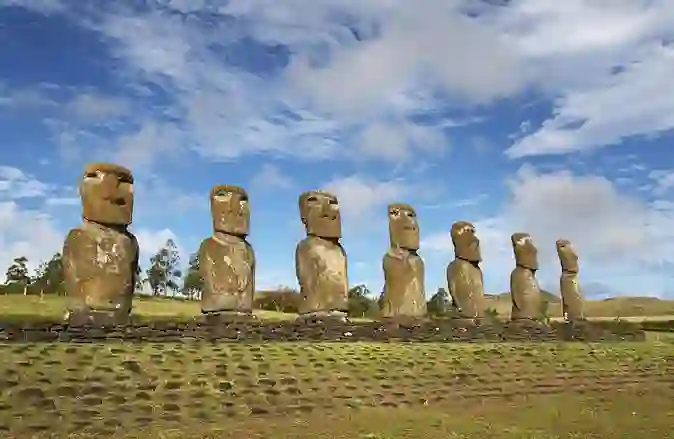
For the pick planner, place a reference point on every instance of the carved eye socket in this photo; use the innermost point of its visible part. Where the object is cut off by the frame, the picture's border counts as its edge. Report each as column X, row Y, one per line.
column 333, row 201
column 94, row 174
column 395, row 213
column 411, row 214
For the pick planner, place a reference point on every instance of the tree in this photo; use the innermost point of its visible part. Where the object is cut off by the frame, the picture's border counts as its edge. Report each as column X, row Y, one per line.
column 164, row 273
column 49, row 277
column 193, row 283
column 439, row 303
column 138, row 287
column 17, row 274
column 360, row 302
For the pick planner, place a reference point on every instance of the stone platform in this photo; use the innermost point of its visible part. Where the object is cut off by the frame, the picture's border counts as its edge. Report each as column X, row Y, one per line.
column 255, row 331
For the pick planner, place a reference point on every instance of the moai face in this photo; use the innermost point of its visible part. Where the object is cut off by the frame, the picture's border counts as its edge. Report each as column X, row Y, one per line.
column 526, row 254
column 106, row 191
column 567, row 256
column 230, row 210
column 466, row 244
column 403, row 226
column 320, row 215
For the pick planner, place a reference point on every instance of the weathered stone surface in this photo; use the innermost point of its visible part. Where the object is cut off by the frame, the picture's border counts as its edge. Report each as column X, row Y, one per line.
column 524, row 289
column 404, row 285
column 320, row 260
column 464, row 277
column 253, row 331
column 569, row 287
column 100, row 257
column 227, row 260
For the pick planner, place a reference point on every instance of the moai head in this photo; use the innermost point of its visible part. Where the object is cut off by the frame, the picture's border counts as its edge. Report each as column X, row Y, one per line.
column 567, row 256
column 526, row 254
column 229, row 209
column 319, row 211
column 106, row 191
column 466, row 244
column 403, row 227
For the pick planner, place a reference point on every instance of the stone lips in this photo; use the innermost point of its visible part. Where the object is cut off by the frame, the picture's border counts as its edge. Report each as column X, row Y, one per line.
column 257, row 331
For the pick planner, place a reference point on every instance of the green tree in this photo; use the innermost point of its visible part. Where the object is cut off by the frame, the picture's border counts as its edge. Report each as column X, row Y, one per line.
column 439, row 303
column 17, row 276
column 193, row 282
column 138, row 287
column 164, row 274
column 360, row 302
column 49, row 277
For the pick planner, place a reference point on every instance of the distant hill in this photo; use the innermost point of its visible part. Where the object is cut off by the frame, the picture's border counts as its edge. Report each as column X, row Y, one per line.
column 546, row 295
column 627, row 306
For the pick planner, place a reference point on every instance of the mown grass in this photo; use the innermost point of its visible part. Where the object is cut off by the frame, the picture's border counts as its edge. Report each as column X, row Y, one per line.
column 288, row 390
column 17, row 308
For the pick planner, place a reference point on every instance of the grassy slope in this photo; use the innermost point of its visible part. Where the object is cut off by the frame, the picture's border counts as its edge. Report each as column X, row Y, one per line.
column 639, row 308
column 321, row 390
column 610, row 308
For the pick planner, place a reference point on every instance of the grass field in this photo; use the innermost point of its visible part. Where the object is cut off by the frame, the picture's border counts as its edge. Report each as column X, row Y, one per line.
column 330, row 390
column 321, row 390
column 54, row 307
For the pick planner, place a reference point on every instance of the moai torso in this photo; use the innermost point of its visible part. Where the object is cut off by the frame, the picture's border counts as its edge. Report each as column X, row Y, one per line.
column 321, row 272
column 572, row 299
column 100, row 257
column 404, row 289
column 464, row 277
column 320, row 260
column 524, row 289
column 227, row 260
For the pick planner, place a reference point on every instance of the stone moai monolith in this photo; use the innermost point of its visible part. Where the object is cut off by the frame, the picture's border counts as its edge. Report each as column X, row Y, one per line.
column 226, row 259
column 404, row 288
column 464, row 277
column 320, row 259
column 100, row 257
column 572, row 299
column 524, row 289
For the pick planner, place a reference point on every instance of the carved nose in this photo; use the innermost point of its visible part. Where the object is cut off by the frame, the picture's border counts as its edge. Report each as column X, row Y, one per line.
column 109, row 186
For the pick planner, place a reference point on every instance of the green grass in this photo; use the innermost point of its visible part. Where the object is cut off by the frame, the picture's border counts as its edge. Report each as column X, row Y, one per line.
column 16, row 307
column 289, row 390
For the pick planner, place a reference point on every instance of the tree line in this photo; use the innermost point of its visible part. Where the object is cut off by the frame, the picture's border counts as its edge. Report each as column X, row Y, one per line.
column 164, row 278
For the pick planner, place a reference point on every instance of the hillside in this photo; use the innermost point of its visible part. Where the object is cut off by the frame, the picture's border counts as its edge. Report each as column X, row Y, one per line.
column 612, row 307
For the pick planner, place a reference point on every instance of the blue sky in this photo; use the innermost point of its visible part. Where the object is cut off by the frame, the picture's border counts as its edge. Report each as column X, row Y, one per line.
column 553, row 118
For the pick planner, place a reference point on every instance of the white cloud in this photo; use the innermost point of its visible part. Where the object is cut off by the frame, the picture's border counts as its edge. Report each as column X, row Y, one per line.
column 271, row 177
column 151, row 241
column 359, row 197
column 636, row 101
column 617, row 236
column 15, row 184
column 27, row 233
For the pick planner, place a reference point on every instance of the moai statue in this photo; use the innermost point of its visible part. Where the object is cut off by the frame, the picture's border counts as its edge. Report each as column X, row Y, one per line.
column 100, row 257
column 572, row 299
column 404, row 289
column 320, row 260
column 524, row 289
column 226, row 259
column 464, row 276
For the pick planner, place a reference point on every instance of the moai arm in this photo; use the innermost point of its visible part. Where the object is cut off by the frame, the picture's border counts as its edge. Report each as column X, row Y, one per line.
column 136, row 250
column 301, row 267
column 346, row 265
column 451, row 285
column 252, row 268
column 79, row 252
